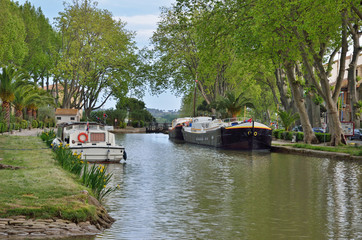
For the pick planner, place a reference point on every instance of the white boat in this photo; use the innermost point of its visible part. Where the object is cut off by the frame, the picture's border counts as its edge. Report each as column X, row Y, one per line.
column 92, row 140
column 175, row 131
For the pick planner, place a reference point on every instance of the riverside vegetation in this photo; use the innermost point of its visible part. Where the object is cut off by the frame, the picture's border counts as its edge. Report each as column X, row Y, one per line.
column 40, row 188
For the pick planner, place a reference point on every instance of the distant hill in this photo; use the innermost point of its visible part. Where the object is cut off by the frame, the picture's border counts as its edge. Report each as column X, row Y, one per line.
column 163, row 116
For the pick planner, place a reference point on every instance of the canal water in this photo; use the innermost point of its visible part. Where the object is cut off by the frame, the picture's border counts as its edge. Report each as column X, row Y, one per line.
column 173, row 190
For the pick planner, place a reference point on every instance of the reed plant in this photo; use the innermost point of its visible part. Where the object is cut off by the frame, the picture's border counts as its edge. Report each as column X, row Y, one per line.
column 96, row 178
column 68, row 160
column 48, row 137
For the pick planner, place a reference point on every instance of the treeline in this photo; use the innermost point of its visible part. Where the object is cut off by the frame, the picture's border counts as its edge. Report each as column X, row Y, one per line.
column 80, row 62
column 279, row 54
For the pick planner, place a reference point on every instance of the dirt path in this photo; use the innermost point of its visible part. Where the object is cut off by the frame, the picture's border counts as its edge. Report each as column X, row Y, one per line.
column 25, row 132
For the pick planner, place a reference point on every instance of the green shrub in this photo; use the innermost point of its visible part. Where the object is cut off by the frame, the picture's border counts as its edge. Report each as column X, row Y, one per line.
column 280, row 134
column 142, row 123
column 40, row 124
column 122, row 125
column 48, row 137
column 300, row 136
column 135, row 124
column 321, row 138
column 288, row 135
column 3, row 127
column 276, row 133
column 34, row 124
column 23, row 124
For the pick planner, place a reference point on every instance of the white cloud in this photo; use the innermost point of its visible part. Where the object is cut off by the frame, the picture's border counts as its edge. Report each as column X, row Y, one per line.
column 143, row 25
column 138, row 21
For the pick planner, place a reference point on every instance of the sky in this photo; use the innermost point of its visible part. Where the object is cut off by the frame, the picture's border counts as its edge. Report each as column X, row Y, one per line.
column 141, row 17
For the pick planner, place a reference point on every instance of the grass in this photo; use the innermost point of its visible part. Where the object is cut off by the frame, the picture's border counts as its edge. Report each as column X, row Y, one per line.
column 40, row 188
column 350, row 149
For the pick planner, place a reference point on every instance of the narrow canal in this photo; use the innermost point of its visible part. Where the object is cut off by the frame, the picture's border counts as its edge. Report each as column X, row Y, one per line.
column 171, row 190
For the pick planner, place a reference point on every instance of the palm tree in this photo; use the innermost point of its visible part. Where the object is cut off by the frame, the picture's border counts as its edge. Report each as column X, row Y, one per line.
column 35, row 99
column 23, row 95
column 233, row 104
column 288, row 118
column 10, row 79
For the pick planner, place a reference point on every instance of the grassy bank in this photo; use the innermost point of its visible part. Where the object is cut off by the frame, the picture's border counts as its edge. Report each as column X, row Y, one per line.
column 40, row 187
column 349, row 149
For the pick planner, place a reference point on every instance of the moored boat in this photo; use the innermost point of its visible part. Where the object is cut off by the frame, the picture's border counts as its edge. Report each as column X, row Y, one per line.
column 243, row 135
column 175, row 131
column 92, row 140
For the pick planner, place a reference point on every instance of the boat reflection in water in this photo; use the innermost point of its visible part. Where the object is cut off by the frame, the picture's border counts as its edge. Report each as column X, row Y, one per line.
column 229, row 134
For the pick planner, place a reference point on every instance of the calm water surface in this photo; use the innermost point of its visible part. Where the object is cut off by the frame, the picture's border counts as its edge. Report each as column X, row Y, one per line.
column 172, row 190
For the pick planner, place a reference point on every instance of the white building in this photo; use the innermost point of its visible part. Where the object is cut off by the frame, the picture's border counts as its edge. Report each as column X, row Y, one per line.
column 67, row 115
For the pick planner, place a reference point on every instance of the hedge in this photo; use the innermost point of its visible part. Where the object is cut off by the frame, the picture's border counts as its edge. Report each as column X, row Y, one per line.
column 282, row 134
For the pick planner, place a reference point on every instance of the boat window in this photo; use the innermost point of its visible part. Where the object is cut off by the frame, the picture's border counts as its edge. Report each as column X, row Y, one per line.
column 80, row 127
column 69, row 127
column 93, row 127
column 98, row 137
column 101, row 127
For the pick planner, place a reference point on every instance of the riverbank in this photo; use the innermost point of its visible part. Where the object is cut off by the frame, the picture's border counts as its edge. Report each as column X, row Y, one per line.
column 350, row 152
column 38, row 198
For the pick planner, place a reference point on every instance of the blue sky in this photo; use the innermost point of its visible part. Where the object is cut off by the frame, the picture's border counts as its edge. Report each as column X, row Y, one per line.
column 141, row 17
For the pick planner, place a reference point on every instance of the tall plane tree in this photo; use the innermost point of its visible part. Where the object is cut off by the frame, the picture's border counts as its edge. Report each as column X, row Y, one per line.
column 97, row 56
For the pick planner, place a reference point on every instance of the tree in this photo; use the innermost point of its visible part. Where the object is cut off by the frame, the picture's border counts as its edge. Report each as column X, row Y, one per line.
column 288, row 118
column 40, row 41
column 234, row 104
column 37, row 98
column 190, row 44
column 136, row 109
column 10, row 79
column 97, row 56
column 354, row 25
column 12, row 34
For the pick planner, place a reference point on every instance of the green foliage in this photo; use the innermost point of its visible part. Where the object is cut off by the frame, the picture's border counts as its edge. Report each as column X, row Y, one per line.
column 12, row 34
column 136, row 109
column 97, row 179
column 48, row 137
column 94, row 177
column 122, row 125
column 323, row 137
column 3, row 127
column 68, row 160
column 107, row 53
column 111, row 115
column 234, row 104
column 34, row 124
column 288, row 135
column 288, row 118
column 24, row 124
column 300, row 136
column 41, row 41
column 138, row 124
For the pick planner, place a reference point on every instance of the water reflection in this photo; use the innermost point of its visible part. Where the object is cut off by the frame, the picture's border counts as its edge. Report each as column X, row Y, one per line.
column 171, row 190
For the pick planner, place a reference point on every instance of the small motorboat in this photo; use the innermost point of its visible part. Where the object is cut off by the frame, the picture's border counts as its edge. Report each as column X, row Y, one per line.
column 93, row 140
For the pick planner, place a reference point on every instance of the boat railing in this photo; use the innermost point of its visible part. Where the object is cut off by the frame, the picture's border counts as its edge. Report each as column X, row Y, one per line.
column 231, row 121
